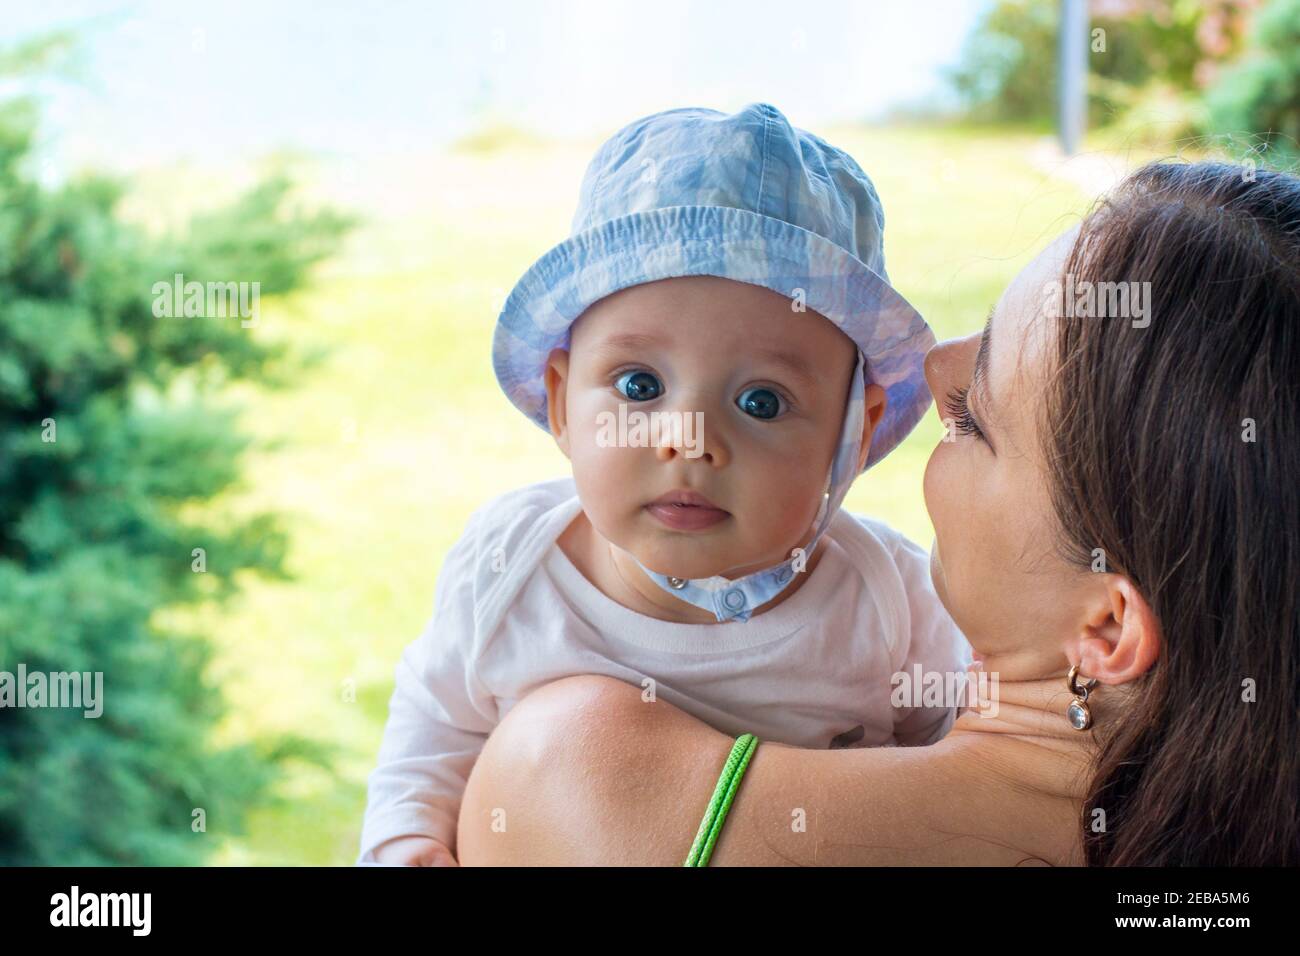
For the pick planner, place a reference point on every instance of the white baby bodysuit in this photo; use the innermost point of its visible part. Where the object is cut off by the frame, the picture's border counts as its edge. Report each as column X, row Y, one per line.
column 511, row 612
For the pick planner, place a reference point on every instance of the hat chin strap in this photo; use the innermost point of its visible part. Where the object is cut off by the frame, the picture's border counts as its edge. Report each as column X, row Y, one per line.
column 738, row 599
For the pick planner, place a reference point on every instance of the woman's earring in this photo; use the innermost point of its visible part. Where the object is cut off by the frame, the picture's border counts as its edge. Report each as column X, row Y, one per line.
column 1077, row 713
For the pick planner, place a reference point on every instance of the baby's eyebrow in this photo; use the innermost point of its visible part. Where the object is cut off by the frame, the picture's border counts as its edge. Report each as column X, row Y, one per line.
column 640, row 341
column 792, row 363
column 630, row 340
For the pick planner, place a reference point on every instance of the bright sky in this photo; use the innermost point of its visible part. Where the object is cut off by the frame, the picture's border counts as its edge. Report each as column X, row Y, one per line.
column 162, row 80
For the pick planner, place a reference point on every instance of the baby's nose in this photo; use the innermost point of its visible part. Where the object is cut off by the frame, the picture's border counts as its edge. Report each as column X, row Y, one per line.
column 685, row 433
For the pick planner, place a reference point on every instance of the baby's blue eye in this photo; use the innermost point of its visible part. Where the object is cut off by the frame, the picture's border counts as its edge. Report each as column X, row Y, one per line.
column 638, row 386
column 760, row 402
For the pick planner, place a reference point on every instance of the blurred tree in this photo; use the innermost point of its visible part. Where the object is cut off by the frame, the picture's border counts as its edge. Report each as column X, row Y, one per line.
column 108, row 435
column 1257, row 101
column 1148, row 54
column 1008, row 64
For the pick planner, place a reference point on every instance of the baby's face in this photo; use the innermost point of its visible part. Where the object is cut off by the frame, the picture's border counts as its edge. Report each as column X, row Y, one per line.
column 751, row 397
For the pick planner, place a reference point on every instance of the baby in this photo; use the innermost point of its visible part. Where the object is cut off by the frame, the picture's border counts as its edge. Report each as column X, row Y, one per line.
column 718, row 352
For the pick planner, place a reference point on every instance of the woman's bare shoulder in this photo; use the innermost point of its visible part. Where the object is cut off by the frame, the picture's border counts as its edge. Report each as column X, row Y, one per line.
column 583, row 771
column 586, row 771
column 947, row 804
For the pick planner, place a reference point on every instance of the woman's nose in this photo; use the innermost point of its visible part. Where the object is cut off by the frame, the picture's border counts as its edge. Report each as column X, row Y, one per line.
column 950, row 364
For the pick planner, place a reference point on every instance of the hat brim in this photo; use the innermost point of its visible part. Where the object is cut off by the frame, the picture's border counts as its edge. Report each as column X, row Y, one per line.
column 718, row 241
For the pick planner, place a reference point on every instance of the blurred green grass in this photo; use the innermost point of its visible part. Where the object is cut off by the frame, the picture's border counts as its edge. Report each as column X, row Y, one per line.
column 386, row 447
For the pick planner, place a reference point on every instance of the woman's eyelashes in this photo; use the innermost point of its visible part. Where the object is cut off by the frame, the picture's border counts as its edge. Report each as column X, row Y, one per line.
column 960, row 415
column 639, row 385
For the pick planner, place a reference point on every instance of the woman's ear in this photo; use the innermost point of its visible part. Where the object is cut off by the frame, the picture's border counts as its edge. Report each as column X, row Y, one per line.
column 557, row 378
column 874, row 411
column 1121, row 638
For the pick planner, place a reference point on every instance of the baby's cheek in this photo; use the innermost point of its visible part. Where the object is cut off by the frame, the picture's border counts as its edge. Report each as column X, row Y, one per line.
column 604, row 471
column 596, row 468
column 593, row 431
column 787, row 498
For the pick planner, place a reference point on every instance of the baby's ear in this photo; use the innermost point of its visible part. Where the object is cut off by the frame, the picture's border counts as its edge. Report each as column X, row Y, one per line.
column 557, row 379
column 874, row 411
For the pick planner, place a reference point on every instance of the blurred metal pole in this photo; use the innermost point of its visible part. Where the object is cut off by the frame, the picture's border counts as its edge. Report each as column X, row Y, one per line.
column 1072, row 84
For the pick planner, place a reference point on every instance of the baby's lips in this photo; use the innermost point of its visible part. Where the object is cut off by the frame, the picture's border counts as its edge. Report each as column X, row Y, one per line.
column 687, row 497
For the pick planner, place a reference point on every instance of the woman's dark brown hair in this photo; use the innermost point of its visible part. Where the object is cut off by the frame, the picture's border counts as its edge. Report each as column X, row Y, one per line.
column 1175, row 448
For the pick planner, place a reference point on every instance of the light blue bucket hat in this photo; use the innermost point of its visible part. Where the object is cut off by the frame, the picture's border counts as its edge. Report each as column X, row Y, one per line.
column 747, row 197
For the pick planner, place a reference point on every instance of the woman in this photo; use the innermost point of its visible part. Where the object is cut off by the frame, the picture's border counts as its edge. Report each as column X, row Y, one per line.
column 1120, row 497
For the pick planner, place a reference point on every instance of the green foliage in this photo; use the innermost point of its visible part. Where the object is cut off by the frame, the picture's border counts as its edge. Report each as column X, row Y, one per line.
column 1008, row 69
column 1257, row 101
column 98, row 528
column 1008, row 66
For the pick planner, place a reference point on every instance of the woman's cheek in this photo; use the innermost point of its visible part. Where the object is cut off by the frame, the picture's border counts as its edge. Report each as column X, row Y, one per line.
column 935, row 486
column 945, row 489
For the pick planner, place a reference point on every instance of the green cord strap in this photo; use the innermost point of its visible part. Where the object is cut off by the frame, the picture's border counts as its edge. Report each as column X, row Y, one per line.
column 711, row 826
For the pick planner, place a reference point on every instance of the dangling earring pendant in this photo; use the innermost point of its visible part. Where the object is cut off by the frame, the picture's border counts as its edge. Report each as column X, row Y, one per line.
column 1078, row 714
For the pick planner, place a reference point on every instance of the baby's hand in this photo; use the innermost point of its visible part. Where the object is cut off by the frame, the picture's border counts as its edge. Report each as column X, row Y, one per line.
column 414, row 851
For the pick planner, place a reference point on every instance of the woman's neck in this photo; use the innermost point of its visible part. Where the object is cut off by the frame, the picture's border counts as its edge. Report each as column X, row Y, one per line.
column 1027, row 720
